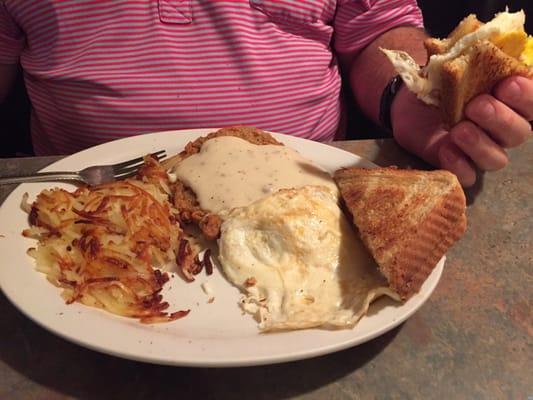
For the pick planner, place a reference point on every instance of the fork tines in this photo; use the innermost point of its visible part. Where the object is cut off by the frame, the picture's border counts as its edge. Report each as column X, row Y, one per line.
column 129, row 168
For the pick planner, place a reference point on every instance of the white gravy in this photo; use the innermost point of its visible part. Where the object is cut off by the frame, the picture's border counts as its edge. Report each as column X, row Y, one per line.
column 230, row 172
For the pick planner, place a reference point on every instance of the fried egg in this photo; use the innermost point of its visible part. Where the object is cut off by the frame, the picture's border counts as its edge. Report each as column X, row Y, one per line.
column 527, row 54
column 298, row 262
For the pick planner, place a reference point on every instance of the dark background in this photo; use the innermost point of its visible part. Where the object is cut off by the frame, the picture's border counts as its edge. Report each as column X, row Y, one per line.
column 440, row 17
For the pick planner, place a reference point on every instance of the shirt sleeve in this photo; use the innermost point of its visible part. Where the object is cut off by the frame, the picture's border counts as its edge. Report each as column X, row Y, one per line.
column 358, row 22
column 11, row 37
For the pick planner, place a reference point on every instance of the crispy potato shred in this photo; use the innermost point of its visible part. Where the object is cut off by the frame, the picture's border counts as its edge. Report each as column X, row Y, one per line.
column 106, row 245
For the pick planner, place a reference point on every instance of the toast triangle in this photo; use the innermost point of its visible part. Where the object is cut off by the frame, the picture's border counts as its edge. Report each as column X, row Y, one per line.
column 407, row 219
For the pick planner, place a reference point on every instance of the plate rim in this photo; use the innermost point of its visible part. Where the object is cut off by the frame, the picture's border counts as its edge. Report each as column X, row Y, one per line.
column 420, row 298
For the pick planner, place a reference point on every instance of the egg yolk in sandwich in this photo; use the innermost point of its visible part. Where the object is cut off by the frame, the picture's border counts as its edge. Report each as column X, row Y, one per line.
column 527, row 55
column 517, row 44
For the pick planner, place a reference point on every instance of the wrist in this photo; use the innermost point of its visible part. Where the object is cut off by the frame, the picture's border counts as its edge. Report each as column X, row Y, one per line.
column 404, row 102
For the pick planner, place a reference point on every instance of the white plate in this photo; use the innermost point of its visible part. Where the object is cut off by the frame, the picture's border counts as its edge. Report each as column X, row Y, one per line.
column 214, row 335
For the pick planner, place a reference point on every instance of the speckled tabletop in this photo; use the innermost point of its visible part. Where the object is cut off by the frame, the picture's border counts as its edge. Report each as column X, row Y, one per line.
column 471, row 340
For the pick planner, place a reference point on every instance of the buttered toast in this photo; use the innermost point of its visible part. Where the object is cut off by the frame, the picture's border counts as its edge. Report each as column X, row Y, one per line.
column 407, row 219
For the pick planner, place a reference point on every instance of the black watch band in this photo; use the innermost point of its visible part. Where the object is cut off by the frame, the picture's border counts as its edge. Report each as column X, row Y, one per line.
column 387, row 97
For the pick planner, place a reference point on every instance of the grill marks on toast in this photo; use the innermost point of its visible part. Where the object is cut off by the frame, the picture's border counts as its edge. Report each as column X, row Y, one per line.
column 407, row 219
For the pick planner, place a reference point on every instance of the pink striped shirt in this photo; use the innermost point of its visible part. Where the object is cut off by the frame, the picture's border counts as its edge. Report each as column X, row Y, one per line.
column 101, row 70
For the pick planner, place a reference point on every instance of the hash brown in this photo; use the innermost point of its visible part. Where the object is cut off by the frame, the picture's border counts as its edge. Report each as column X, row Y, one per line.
column 105, row 246
column 102, row 246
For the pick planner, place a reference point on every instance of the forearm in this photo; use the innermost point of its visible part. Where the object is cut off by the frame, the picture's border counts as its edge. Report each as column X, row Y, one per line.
column 370, row 71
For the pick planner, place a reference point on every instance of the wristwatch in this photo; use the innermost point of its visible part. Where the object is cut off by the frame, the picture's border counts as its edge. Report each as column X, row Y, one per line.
column 387, row 97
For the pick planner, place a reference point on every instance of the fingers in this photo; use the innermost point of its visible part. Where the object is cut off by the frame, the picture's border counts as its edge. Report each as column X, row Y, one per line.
column 478, row 146
column 495, row 122
column 503, row 124
column 454, row 160
column 517, row 93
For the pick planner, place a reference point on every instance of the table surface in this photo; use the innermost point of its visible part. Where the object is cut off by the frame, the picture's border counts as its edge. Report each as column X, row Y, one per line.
column 472, row 339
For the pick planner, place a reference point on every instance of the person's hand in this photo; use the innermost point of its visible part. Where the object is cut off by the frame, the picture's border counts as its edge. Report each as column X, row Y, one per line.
column 494, row 123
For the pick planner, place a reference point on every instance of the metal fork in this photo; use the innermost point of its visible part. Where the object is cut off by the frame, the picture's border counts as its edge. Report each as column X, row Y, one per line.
column 95, row 175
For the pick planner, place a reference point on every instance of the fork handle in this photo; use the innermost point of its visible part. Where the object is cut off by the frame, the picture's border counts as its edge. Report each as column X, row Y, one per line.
column 41, row 177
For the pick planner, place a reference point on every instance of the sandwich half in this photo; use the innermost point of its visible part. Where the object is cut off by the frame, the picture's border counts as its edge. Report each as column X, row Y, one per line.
column 407, row 219
column 469, row 62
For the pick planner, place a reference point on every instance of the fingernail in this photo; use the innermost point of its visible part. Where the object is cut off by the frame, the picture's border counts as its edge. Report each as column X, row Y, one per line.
column 487, row 109
column 467, row 137
column 513, row 91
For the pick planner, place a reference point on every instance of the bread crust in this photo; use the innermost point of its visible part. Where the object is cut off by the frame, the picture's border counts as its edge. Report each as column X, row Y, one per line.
column 407, row 219
column 439, row 46
column 475, row 72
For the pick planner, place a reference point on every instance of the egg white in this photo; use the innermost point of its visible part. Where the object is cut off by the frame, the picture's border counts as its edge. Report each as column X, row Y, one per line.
column 298, row 261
